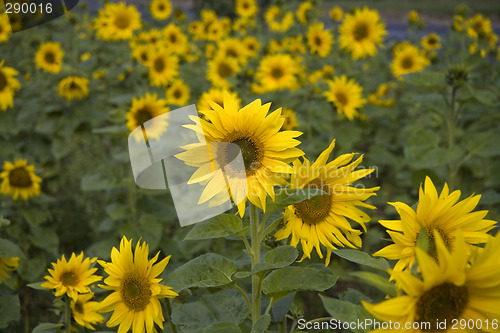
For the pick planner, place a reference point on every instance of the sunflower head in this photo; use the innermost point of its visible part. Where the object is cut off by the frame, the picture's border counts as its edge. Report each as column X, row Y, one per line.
column 8, row 86
column 73, row 87
column 117, row 21
column 19, row 180
column 319, row 40
column 246, row 8
column 163, row 67
column 49, row 57
column 407, row 59
column 145, row 111
column 160, row 9
column 6, row 265
column 178, row 93
column 84, row 311
column 278, row 72
column 346, row 96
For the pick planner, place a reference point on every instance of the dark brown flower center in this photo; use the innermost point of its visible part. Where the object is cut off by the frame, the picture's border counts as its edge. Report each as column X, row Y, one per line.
column 232, row 53
column 74, row 86
column 277, row 73
column 225, row 70
column 122, row 21
column 69, row 279
column 135, row 292
column 78, row 307
column 407, row 62
column 159, row 65
column 250, row 151
column 361, row 31
column 143, row 115
column 316, row 209
column 20, row 177
column 341, row 98
column 318, row 41
column 173, row 38
column 3, row 80
column 444, row 302
column 177, row 93
column 50, row 57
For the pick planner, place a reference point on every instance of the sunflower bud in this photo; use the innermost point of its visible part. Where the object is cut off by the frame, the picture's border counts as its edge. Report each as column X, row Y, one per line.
column 456, row 75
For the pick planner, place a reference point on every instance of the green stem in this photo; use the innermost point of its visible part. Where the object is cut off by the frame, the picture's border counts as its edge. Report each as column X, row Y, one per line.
column 451, row 137
column 254, row 229
column 271, row 303
column 67, row 315
column 244, row 294
column 247, row 245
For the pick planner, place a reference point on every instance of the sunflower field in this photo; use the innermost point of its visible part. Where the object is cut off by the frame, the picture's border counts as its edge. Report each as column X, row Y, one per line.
column 344, row 177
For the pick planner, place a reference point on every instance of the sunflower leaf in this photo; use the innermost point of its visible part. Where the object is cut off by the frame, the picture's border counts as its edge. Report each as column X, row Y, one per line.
column 216, row 227
column 46, row 328
column 377, row 281
column 9, row 249
column 348, row 312
column 262, row 324
column 363, row 258
column 286, row 196
column 425, row 79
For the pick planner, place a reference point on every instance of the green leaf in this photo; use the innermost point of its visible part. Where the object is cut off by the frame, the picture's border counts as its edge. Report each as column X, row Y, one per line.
column 35, row 216
column 222, row 327
column 425, row 79
column 262, row 324
column 113, row 129
column 471, row 61
column 216, row 227
column 291, row 279
column 377, row 281
column 96, row 182
column 485, row 97
column 45, row 238
column 363, row 258
column 9, row 249
column 37, row 286
column 345, row 311
column 9, row 309
column 279, row 257
column 483, row 144
column 208, row 270
column 46, row 328
column 286, row 196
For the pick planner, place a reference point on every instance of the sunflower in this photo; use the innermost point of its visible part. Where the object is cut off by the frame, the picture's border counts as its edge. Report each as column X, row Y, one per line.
column 294, row 45
column 413, row 17
column 19, row 180
column 232, row 48
column 336, row 13
column 408, row 59
column 266, row 152
column 7, row 264
column 71, row 277
column 220, row 69
column 160, row 9
column 319, row 40
column 251, row 45
column 133, row 278
column 143, row 110
column 324, row 219
column 379, row 98
column 73, row 87
column 163, row 67
column 8, row 86
column 450, row 289
column 478, row 26
column 431, row 42
column 346, row 96
column 272, row 16
column 174, row 39
column 246, row 8
column 153, row 37
column 117, row 21
column 303, row 11
column 216, row 95
column 5, row 29
column 85, row 311
column 141, row 53
column 277, row 72
column 361, row 32
column 178, row 93
column 324, row 74
column 290, row 119
column 49, row 57
column 443, row 213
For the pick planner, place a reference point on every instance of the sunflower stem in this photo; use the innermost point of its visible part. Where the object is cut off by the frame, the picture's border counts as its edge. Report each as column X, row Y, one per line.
column 254, row 227
column 67, row 315
column 451, row 137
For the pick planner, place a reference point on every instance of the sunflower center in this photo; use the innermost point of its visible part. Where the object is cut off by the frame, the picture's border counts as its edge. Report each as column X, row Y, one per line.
column 79, row 307
column 316, row 209
column 122, row 21
column 173, row 38
column 20, row 177
column 3, row 81
column 144, row 56
column 73, row 86
column 432, row 40
column 318, row 41
column 277, row 73
column 143, row 115
column 225, row 70
column 407, row 62
column 161, row 7
column 177, row 93
column 231, row 53
column 50, row 57
column 341, row 98
column 159, row 65
column 69, row 278
column 360, row 31
column 444, row 302
column 136, row 292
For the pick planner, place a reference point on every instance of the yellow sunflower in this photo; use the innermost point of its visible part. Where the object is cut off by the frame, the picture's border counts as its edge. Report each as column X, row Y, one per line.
column 19, row 180
column 216, row 95
column 246, row 8
column 478, row 26
column 319, row 40
column 361, row 32
column 117, row 21
column 431, row 42
column 336, row 13
column 163, row 67
column 174, row 39
column 294, row 45
column 232, row 48
column 141, row 53
column 346, row 96
column 143, row 110
column 444, row 214
column 272, row 17
column 408, row 59
column 379, row 98
column 324, row 219
column 71, row 277
column 324, row 74
column 178, row 93
column 8, row 86
column 73, row 87
column 278, row 72
column 303, row 11
column 49, row 57
column 290, row 119
column 5, row 29
column 449, row 289
column 133, row 278
column 251, row 45
column 6, row 265
column 85, row 311
column 160, row 9
column 220, row 69
column 266, row 152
